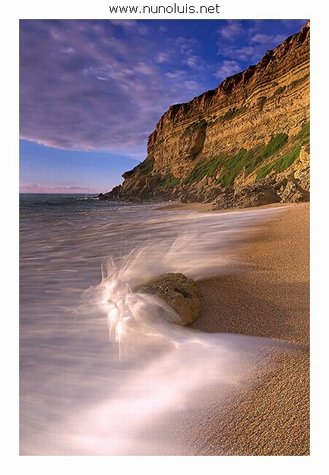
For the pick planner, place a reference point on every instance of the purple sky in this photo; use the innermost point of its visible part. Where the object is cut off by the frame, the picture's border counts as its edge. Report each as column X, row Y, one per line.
column 97, row 88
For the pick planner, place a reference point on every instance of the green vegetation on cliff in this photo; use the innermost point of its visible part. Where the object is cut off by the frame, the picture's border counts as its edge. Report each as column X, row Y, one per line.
column 169, row 181
column 232, row 113
column 203, row 169
column 304, row 134
column 146, row 167
column 229, row 166
column 143, row 168
column 280, row 165
column 226, row 167
column 290, row 86
column 288, row 158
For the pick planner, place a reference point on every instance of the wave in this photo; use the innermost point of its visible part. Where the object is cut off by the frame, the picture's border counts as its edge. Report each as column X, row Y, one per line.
column 123, row 376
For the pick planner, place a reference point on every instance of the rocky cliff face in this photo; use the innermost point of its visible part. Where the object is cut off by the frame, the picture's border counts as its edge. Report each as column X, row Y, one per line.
column 242, row 144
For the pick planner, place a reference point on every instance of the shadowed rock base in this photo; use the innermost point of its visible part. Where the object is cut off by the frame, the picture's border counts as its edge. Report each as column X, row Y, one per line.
column 179, row 292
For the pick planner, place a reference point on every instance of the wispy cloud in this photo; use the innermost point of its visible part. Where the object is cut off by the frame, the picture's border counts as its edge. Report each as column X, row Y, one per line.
column 231, row 30
column 263, row 38
column 246, row 42
column 179, row 74
column 99, row 84
column 125, row 23
column 192, row 85
column 245, row 53
column 162, row 57
column 186, row 45
column 227, row 68
column 54, row 188
column 195, row 62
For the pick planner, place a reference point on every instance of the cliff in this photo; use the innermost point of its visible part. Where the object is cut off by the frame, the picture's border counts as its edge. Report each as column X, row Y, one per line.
column 242, row 144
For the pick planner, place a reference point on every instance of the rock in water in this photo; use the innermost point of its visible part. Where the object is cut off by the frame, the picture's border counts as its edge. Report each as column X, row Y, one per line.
column 179, row 292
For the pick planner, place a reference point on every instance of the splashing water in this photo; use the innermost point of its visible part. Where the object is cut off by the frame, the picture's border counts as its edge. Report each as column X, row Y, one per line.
column 78, row 396
column 134, row 319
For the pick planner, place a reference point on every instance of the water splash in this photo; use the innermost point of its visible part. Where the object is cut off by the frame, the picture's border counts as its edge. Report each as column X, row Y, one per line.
column 135, row 319
column 169, row 365
column 77, row 396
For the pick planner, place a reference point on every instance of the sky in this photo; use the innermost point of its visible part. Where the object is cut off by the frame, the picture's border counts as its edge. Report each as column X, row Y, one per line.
column 91, row 91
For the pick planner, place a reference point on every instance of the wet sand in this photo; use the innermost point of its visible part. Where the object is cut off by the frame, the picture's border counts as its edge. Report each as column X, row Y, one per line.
column 266, row 295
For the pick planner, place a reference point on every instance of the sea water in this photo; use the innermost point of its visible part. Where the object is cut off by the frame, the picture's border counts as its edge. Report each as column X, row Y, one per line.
column 101, row 370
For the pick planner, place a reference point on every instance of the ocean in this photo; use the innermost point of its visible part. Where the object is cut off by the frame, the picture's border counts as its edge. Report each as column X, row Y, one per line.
column 81, row 391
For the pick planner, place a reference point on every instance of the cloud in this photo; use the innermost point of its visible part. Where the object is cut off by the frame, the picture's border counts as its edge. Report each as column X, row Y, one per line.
column 233, row 29
column 179, row 74
column 162, row 57
column 263, row 38
column 54, row 188
column 227, row 68
column 145, row 69
column 101, row 84
column 125, row 23
column 244, row 53
column 194, row 62
column 131, row 25
column 89, row 85
column 192, row 85
column 186, row 45
column 247, row 41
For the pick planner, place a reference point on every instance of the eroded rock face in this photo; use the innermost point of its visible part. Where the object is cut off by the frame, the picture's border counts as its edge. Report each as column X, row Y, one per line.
column 254, row 125
column 179, row 292
column 258, row 194
column 224, row 201
column 293, row 193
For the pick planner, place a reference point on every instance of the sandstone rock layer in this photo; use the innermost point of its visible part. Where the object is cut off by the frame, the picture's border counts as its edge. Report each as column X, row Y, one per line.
column 252, row 127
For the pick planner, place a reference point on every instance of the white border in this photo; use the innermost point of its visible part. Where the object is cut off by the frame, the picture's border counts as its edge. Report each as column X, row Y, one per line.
column 11, row 463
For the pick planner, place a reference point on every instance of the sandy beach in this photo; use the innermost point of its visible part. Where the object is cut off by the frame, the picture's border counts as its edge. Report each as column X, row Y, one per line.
column 215, row 389
column 266, row 295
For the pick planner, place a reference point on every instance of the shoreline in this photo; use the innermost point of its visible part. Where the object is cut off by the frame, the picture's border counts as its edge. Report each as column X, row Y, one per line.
column 206, row 207
column 266, row 295
column 262, row 292
column 273, row 264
